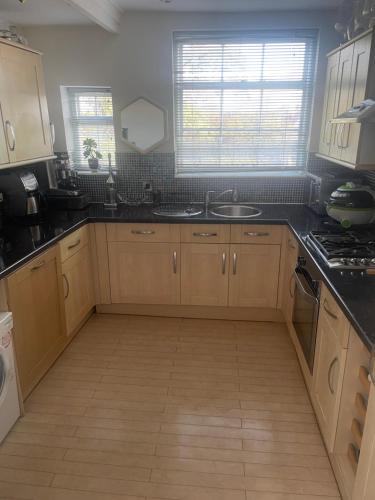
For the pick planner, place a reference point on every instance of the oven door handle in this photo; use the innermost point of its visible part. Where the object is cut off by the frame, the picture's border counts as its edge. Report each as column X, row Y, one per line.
column 303, row 290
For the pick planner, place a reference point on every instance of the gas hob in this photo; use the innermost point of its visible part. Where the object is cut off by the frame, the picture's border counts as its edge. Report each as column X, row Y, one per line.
column 350, row 249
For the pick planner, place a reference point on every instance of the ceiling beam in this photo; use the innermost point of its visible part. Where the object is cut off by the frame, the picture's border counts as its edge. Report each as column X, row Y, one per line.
column 101, row 12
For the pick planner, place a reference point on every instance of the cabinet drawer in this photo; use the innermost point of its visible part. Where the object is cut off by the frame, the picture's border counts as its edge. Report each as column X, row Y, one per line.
column 258, row 234
column 74, row 242
column 332, row 313
column 205, row 233
column 155, row 233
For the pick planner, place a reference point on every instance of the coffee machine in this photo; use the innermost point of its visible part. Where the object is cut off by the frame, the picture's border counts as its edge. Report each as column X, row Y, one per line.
column 21, row 195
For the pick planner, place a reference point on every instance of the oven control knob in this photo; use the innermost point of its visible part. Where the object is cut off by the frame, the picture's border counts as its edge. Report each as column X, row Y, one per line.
column 372, row 262
column 365, row 262
column 353, row 262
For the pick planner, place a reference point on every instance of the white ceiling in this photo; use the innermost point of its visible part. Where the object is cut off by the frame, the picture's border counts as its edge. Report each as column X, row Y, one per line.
column 224, row 5
column 54, row 12
column 38, row 12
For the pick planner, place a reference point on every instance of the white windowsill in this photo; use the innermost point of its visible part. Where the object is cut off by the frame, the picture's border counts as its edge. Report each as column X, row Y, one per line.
column 290, row 173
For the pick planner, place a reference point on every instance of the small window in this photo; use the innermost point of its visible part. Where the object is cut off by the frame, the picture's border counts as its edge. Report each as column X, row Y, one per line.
column 88, row 113
column 243, row 101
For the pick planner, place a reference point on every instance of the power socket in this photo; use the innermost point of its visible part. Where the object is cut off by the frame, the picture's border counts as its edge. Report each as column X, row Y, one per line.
column 147, row 186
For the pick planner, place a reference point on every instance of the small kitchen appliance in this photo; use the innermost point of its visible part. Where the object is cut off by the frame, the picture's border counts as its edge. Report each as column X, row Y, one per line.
column 352, row 204
column 21, row 194
column 352, row 249
column 321, row 187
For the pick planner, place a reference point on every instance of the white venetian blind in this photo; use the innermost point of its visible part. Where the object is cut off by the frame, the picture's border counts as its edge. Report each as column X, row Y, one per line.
column 243, row 100
column 91, row 116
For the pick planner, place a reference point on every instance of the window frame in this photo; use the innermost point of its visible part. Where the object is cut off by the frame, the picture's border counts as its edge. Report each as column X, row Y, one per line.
column 72, row 121
column 306, row 84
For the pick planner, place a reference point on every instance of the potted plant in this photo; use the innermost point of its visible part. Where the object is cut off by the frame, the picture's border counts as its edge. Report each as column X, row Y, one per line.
column 91, row 153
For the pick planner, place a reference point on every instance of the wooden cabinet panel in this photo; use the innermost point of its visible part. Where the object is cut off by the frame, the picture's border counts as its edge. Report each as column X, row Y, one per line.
column 144, row 273
column 148, row 233
column 34, row 300
column 74, row 242
column 254, row 277
column 24, row 104
column 256, row 234
column 326, row 135
column 328, row 375
column 204, row 274
column 205, row 233
column 364, row 487
column 330, row 310
column 78, row 288
column 343, row 92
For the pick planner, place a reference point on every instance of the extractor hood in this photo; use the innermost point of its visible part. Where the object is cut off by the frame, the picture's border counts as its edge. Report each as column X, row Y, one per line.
column 364, row 112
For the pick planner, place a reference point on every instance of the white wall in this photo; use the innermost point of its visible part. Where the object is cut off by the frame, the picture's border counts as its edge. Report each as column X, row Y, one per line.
column 138, row 61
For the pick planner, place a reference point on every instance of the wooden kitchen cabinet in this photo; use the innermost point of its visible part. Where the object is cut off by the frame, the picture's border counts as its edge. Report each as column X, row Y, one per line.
column 78, row 288
column 364, row 488
column 329, row 367
column 254, row 275
column 204, row 274
column 144, row 273
column 34, row 299
column 290, row 263
column 350, row 80
column 24, row 104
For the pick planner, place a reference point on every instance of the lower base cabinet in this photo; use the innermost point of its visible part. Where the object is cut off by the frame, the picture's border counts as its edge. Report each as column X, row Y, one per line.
column 78, row 288
column 204, row 274
column 254, row 275
column 144, row 273
column 34, row 299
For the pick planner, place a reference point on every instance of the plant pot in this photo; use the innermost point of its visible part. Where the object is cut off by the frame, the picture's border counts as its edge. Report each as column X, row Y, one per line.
column 93, row 163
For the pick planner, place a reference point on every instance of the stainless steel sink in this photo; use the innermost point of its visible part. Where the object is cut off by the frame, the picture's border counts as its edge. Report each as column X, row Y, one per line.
column 177, row 211
column 235, row 211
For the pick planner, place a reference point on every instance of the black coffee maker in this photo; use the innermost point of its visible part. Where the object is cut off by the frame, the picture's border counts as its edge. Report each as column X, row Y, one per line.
column 21, row 195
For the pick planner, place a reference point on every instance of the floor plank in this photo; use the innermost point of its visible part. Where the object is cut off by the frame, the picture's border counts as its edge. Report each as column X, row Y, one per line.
column 169, row 409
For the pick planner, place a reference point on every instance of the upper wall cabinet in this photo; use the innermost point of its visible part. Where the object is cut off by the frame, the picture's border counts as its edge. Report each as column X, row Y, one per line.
column 25, row 131
column 350, row 80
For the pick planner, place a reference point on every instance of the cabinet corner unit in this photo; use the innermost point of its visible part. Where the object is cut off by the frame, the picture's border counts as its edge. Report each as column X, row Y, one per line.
column 26, row 134
column 350, row 80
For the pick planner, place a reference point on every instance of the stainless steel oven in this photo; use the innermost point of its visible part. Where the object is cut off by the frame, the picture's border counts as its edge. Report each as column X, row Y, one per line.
column 306, row 305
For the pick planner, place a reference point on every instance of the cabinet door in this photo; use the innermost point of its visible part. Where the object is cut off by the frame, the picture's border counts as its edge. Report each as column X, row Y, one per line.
column 364, row 488
column 254, row 275
column 326, row 134
column 204, row 274
column 328, row 375
column 350, row 133
column 78, row 288
column 289, row 283
column 144, row 273
column 38, row 332
column 24, row 104
column 342, row 100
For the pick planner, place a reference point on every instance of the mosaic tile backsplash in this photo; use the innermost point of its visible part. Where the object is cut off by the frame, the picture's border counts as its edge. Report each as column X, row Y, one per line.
column 158, row 169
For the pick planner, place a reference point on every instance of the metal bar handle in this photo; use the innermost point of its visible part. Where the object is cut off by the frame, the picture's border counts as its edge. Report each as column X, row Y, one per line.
column 70, row 247
column 223, row 262
column 10, row 128
column 250, row 233
column 235, row 263
column 53, row 132
column 38, row 266
column 339, row 135
column 302, row 288
column 328, row 311
column 328, row 124
column 205, row 235
column 175, row 262
column 143, row 233
column 333, row 362
column 67, row 286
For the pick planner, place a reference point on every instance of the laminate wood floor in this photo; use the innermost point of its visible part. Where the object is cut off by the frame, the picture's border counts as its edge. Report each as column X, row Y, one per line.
column 158, row 408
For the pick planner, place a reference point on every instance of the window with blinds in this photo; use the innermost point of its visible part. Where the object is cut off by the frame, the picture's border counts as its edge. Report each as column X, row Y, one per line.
column 243, row 100
column 90, row 115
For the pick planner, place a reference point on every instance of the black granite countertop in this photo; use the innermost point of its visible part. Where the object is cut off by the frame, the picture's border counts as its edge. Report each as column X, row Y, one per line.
column 355, row 293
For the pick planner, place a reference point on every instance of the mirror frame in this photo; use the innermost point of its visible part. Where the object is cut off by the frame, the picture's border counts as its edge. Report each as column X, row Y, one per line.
column 166, row 129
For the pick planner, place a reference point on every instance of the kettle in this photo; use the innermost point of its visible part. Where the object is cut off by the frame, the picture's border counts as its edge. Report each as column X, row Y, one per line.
column 352, row 204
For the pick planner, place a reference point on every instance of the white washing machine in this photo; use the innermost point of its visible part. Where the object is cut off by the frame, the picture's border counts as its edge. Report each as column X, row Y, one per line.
column 9, row 403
